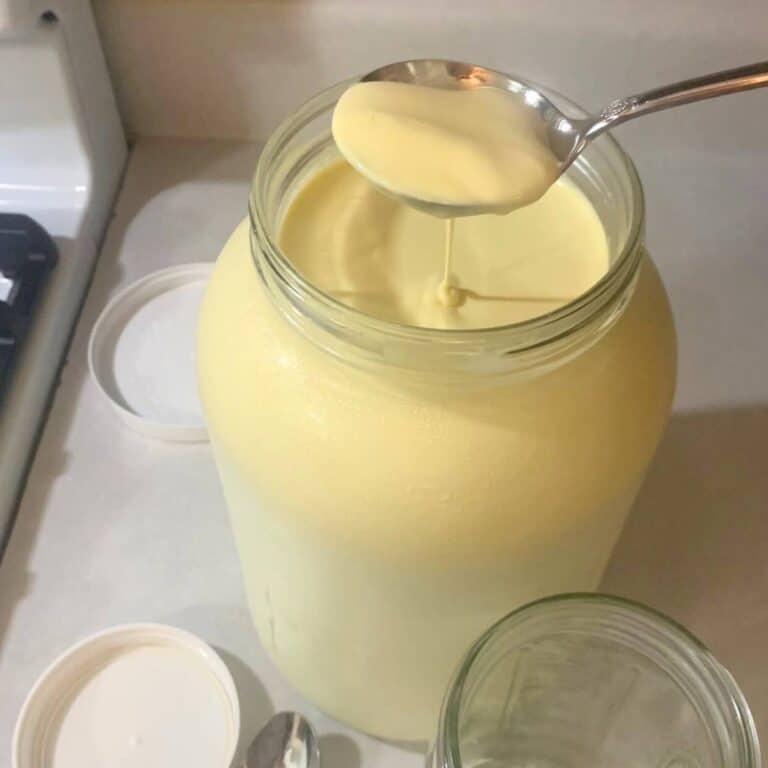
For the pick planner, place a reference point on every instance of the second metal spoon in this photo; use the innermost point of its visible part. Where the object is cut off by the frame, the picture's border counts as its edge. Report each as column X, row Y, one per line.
column 286, row 741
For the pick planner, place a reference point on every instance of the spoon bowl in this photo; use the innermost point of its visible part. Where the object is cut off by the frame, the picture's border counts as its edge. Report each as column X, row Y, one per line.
column 561, row 133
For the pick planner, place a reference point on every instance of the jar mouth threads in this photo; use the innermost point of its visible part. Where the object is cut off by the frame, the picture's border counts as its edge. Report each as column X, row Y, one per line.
column 624, row 637
column 604, row 173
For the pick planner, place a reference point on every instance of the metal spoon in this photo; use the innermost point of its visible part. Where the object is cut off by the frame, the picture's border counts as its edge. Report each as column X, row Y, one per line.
column 286, row 741
column 567, row 136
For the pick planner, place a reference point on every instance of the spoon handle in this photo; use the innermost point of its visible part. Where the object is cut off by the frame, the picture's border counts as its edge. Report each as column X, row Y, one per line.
column 684, row 92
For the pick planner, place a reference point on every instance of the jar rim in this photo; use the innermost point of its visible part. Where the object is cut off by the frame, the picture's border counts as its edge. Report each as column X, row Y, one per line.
column 520, row 336
column 651, row 626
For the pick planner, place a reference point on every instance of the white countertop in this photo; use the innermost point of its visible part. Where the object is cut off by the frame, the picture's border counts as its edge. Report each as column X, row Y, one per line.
column 115, row 527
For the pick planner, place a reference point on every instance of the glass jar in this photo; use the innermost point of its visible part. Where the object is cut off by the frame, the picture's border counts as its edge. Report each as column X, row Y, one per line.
column 577, row 680
column 394, row 490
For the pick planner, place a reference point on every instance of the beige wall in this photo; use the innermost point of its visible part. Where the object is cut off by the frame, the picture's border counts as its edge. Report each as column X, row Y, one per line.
column 233, row 69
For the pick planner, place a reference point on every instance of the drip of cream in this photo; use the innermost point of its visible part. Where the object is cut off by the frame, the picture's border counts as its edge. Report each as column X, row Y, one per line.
column 449, row 293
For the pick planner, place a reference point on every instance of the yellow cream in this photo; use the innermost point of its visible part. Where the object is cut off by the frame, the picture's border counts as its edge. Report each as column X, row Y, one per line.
column 381, row 256
column 474, row 147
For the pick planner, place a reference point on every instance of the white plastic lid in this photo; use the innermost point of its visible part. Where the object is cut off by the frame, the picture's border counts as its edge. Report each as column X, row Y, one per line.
column 142, row 353
column 137, row 696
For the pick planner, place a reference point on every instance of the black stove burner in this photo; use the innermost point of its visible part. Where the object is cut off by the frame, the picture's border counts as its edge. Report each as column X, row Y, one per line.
column 27, row 255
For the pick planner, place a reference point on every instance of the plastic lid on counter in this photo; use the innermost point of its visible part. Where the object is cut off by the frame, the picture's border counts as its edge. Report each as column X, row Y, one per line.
column 142, row 353
column 138, row 696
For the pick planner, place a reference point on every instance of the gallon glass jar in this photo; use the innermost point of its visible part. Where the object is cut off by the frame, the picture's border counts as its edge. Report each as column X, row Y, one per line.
column 394, row 490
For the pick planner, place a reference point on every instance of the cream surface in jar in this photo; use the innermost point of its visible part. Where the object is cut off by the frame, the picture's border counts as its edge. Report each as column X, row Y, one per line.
column 381, row 256
column 397, row 481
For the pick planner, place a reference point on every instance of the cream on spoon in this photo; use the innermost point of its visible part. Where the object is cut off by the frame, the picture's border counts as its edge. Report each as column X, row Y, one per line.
column 457, row 139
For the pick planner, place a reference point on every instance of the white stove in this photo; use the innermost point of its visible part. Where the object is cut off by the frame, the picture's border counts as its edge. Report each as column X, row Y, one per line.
column 62, row 152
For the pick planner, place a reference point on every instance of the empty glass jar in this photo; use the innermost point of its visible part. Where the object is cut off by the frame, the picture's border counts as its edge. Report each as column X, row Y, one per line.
column 590, row 680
